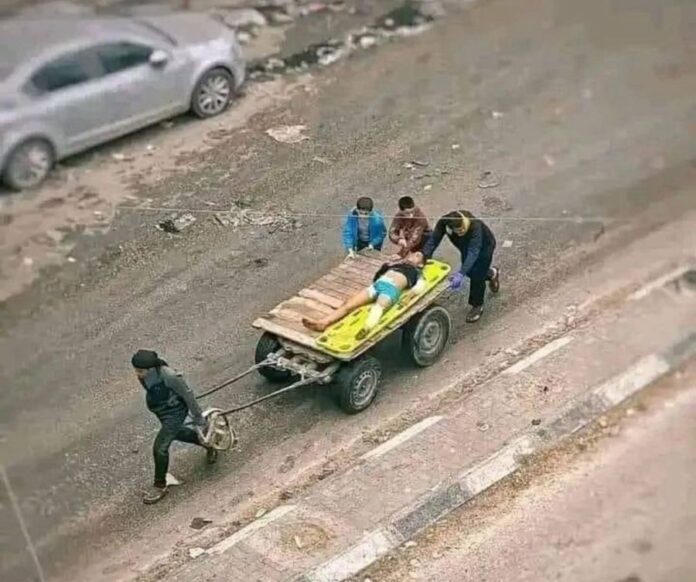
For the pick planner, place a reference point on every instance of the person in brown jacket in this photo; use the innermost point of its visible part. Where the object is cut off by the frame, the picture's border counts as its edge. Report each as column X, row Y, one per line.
column 410, row 229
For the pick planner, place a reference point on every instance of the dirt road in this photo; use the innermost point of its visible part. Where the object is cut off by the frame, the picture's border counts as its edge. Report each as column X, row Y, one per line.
column 584, row 113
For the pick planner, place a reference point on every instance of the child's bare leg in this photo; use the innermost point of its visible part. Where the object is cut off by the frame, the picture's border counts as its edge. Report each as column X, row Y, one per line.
column 364, row 297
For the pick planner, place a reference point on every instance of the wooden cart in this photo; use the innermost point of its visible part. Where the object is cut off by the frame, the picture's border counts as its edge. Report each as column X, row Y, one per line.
column 288, row 350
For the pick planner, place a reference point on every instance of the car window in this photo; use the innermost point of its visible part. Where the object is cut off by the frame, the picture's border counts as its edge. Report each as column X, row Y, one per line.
column 122, row 55
column 65, row 71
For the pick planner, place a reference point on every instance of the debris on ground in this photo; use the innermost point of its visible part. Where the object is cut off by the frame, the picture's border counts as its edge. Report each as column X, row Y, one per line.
column 121, row 157
column 364, row 40
column 276, row 219
column 497, row 114
column 455, row 146
column 326, row 471
column 260, row 513
column 27, row 261
column 415, row 164
column 176, row 224
column 507, row 244
column 277, row 15
column 240, row 18
column 166, row 124
column 244, row 37
column 289, row 134
column 483, row 426
column 195, row 552
column 550, row 162
column 200, row 522
column 427, row 187
column 260, row 262
column 410, row 544
column 488, row 179
column 408, row 19
column 536, row 422
column 407, row 16
column 298, row 542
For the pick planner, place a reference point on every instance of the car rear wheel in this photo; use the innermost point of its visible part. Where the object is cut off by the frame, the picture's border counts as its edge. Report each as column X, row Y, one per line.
column 28, row 164
column 213, row 93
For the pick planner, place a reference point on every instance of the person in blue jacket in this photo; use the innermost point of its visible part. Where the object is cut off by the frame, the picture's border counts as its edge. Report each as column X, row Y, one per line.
column 363, row 228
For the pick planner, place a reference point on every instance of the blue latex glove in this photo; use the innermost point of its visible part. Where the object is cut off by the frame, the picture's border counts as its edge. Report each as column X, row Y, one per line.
column 456, row 281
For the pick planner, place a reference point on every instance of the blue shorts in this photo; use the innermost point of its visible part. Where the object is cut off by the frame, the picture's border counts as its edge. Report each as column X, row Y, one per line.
column 387, row 288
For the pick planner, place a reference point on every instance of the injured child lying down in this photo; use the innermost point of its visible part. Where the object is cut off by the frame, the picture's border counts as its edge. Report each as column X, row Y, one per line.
column 390, row 281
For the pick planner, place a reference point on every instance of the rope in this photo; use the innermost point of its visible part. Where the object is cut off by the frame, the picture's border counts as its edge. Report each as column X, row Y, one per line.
column 257, row 214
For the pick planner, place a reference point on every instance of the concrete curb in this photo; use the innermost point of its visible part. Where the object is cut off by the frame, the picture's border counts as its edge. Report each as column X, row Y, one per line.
column 504, row 462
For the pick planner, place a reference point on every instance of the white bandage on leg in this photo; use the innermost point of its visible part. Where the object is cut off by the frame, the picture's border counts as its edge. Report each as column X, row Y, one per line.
column 373, row 317
column 419, row 287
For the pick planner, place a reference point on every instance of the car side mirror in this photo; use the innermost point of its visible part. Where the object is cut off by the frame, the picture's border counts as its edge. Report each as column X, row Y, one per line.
column 158, row 58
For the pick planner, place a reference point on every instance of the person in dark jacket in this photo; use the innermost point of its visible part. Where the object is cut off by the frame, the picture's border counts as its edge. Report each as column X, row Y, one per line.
column 476, row 244
column 171, row 400
column 363, row 228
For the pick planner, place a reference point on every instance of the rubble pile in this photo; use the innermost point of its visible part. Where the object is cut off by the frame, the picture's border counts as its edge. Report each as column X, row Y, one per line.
column 408, row 19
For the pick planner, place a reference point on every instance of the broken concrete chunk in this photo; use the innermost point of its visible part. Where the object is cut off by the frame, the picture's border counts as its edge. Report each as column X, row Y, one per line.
column 289, row 134
column 488, row 179
column 242, row 18
column 176, row 224
column 199, row 523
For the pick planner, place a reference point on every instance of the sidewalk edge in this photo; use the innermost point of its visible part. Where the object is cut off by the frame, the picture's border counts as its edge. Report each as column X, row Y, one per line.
column 504, row 462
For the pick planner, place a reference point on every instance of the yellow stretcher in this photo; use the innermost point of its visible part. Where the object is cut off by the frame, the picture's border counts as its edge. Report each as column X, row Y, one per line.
column 341, row 338
column 287, row 349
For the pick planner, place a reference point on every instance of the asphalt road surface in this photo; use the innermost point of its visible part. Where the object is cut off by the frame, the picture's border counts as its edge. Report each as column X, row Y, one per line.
column 580, row 110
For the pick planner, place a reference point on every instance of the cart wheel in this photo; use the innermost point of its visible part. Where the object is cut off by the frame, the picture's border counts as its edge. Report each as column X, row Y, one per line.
column 426, row 335
column 357, row 384
column 268, row 344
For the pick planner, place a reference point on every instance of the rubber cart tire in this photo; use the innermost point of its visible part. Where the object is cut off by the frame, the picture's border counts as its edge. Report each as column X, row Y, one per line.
column 357, row 383
column 426, row 335
column 268, row 344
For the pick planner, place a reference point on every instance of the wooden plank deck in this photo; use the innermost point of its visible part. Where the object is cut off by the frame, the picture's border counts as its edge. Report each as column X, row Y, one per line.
column 324, row 296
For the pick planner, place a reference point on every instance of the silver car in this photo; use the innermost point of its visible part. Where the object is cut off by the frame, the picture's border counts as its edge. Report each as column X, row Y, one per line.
column 69, row 84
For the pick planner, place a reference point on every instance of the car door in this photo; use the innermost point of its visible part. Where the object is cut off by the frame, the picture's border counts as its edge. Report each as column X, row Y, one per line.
column 151, row 89
column 68, row 92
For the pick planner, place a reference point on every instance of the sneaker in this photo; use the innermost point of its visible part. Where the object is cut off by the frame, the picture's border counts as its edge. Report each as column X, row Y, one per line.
column 154, row 494
column 475, row 314
column 494, row 279
column 211, row 456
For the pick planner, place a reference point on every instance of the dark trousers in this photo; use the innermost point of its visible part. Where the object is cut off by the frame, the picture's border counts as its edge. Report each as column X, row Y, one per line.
column 364, row 244
column 173, row 429
column 479, row 274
